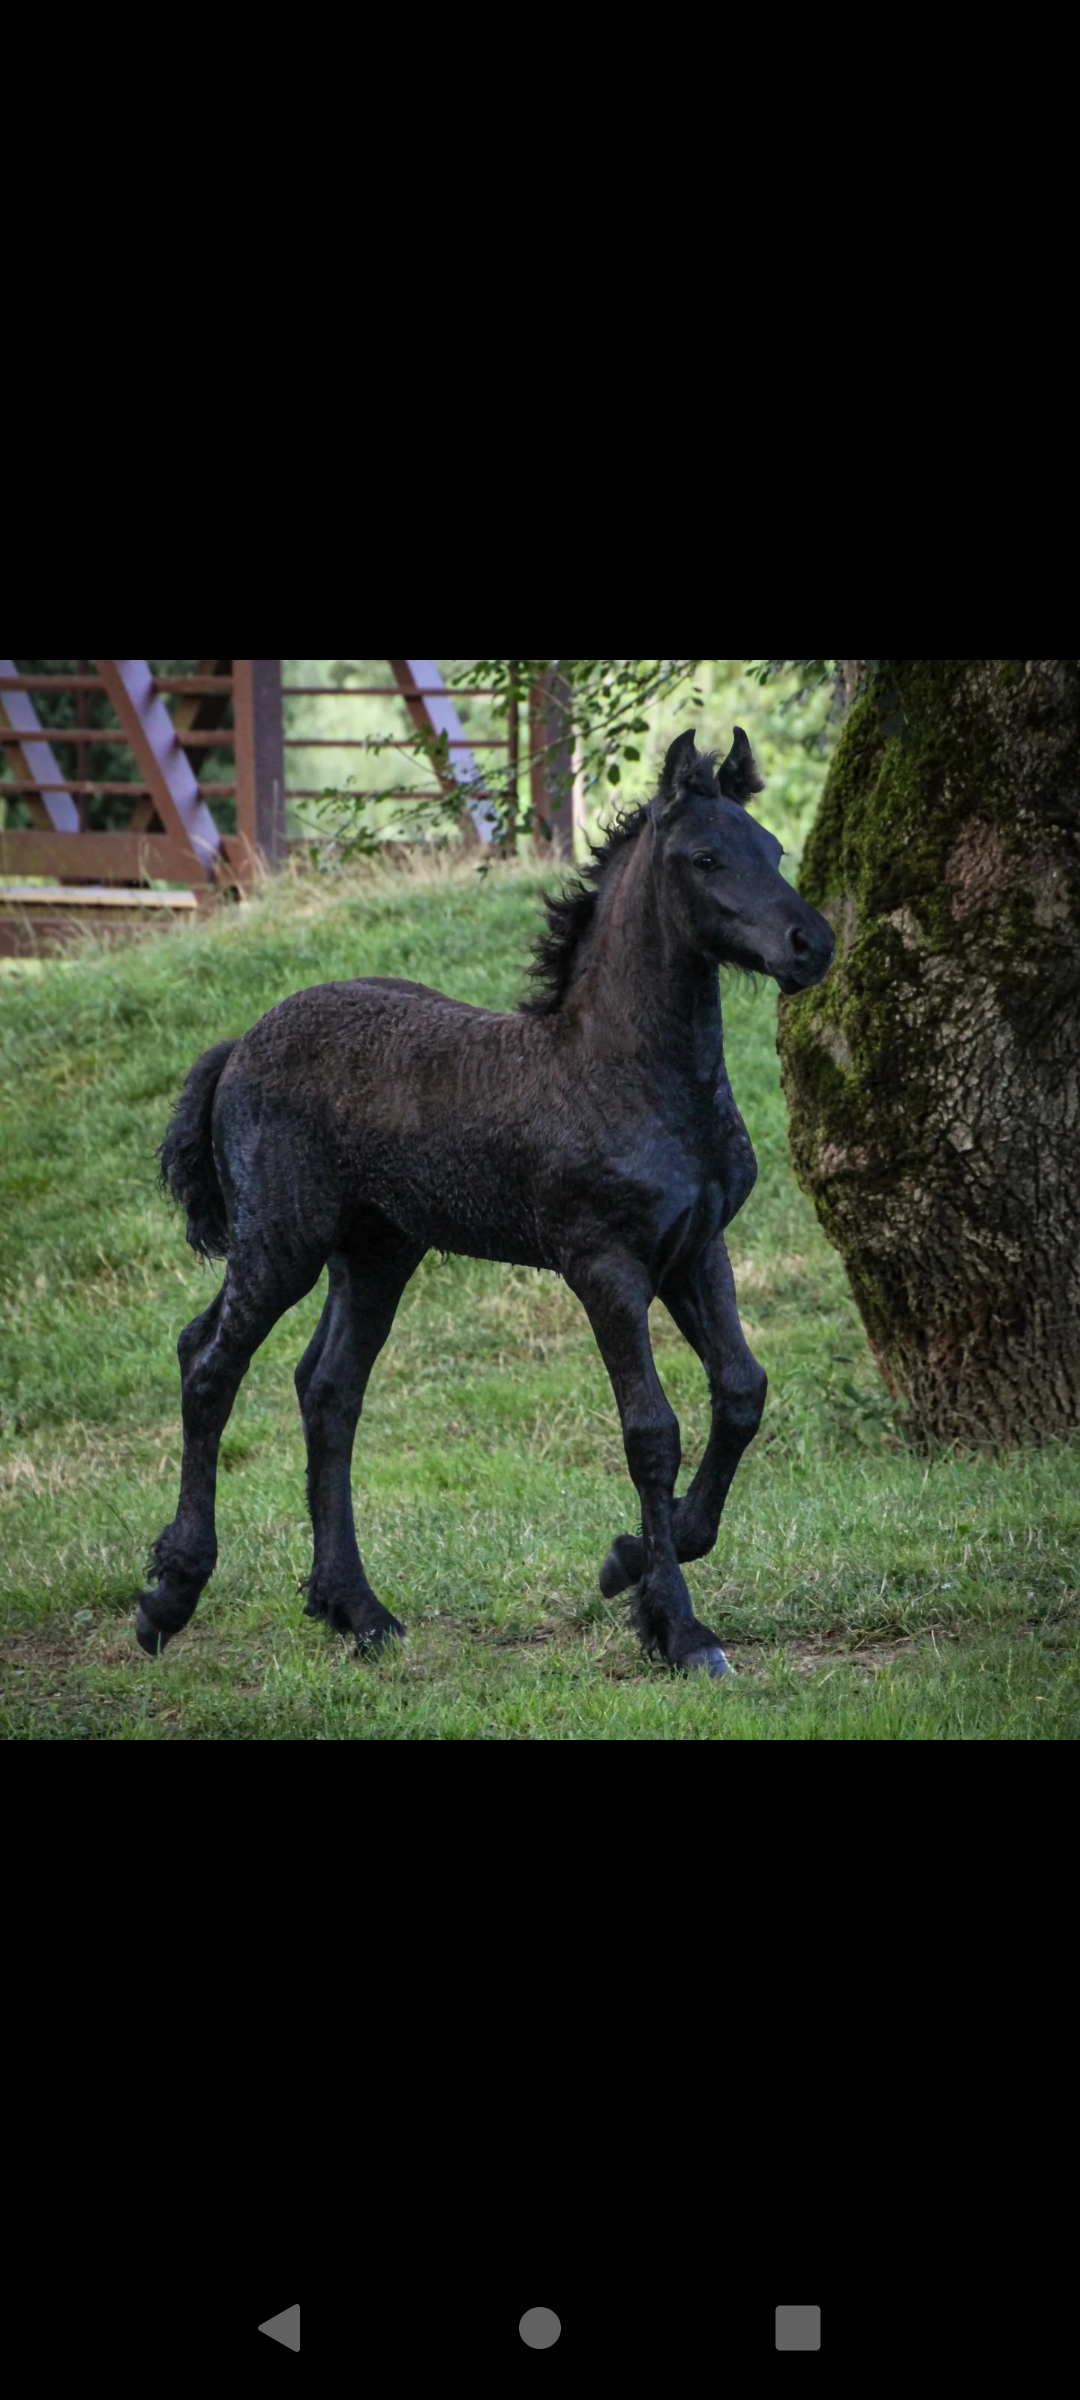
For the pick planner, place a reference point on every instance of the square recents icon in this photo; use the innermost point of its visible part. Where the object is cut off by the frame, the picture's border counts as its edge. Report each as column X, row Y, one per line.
column 798, row 2329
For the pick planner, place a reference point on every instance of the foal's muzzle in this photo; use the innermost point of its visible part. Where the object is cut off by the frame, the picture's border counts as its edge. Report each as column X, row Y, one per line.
column 807, row 958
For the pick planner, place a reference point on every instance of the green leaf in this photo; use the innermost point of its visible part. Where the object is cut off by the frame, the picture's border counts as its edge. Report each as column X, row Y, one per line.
column 614, row 773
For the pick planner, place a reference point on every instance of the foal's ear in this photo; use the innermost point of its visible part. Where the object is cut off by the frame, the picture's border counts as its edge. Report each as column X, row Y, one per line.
column 738, row 777
column 678, row 769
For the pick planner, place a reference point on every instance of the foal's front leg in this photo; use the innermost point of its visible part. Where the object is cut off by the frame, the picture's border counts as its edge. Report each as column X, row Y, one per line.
column 702, row 1302
column 616, row 1291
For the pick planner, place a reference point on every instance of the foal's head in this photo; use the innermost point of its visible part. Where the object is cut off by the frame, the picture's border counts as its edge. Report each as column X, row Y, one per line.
column 722, row 884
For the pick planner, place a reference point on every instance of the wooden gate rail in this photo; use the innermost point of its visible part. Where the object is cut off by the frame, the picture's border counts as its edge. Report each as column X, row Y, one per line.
column 172, row 836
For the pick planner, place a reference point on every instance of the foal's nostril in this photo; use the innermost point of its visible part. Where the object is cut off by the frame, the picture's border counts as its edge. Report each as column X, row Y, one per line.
column 798, row 944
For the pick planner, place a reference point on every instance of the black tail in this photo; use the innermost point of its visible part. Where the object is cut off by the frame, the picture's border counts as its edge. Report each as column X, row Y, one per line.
column 187, row 1159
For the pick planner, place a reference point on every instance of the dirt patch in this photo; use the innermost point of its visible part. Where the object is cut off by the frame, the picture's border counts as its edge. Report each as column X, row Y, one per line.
column 120, row 1653
column 809, row 1657
column 38, row 1654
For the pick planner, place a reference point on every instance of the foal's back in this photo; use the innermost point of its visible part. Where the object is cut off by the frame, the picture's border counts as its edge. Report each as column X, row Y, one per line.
column 385, row 1094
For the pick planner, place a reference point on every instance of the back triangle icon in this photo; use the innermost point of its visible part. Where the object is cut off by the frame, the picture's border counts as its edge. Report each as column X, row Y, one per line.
column 285, row 2328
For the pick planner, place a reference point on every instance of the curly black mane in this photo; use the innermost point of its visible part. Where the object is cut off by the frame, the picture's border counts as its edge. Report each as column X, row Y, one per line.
column 570, row 912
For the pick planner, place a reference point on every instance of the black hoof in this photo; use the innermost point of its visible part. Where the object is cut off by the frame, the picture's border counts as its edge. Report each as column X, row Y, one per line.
column 707, row 1662
column 350, row 1612
column 370, row 1642
column 149, row 1636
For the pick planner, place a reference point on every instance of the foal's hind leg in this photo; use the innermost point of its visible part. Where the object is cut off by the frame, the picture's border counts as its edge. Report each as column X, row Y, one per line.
column 331, row 1380
column 702, row 1302
column 215, row 1351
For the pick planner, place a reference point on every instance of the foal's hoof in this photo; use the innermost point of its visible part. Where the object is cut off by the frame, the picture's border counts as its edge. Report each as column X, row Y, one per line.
column 372, row 1640
column 149, row 1636
column 707, row 1662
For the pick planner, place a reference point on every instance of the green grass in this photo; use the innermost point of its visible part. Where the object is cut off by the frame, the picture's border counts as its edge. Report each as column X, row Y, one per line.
column 863, row 1592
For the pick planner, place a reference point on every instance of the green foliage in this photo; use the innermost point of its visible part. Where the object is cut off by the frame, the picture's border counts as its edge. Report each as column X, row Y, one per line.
column 813, row 671
column 609, row 703
column 605, row 706
column 624, row 713
column 864, row 1593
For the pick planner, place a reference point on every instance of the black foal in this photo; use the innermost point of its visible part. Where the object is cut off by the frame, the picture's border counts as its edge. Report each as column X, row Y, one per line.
column 593, row 1132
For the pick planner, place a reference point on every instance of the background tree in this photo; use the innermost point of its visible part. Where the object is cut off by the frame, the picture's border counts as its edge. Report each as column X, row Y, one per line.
column 933, row 1081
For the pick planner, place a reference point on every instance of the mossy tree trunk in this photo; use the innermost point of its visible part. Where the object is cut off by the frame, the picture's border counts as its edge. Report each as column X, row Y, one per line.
column 933, row 1080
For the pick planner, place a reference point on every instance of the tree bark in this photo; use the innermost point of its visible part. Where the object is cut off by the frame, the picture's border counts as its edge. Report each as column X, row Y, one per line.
column 933, row 1080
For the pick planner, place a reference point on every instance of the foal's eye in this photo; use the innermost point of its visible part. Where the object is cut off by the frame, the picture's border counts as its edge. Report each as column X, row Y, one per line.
column 705, row 860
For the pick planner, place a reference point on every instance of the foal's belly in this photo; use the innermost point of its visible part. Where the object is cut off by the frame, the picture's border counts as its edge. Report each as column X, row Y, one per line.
column 474, row 1205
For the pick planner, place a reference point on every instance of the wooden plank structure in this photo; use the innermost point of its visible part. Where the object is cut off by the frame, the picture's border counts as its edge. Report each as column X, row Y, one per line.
column 167, row 724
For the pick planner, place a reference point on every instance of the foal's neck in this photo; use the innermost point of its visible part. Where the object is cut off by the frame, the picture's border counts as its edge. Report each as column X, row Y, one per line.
column 641, row 990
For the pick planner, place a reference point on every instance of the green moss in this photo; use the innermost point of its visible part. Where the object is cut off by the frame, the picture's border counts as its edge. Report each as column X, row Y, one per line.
column 826, row 865
column 985, row 754
column 853, row 1057
column 892, row 808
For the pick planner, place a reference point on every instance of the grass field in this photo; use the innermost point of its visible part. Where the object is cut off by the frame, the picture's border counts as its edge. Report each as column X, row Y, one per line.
column 863, row 1592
